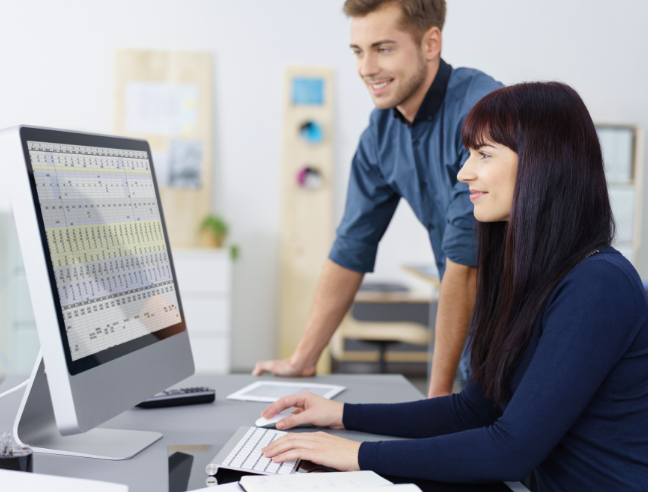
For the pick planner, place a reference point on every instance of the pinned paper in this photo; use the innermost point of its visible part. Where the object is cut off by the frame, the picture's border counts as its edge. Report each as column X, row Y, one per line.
column 180, row 166
column 155, row 108
column 307, row 91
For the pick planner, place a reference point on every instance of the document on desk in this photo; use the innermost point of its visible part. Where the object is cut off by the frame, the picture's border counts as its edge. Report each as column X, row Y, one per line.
column 227, row 487
column 36, row 482
column 367, row 481
column 271, row 391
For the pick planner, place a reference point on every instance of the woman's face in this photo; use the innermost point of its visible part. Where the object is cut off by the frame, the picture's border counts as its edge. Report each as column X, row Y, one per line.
column 490, row 173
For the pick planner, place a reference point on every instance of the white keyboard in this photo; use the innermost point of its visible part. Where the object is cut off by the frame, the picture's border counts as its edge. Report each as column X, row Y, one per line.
column 245, row 453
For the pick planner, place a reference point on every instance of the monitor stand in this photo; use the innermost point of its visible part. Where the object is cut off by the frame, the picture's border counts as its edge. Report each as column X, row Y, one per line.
column 35, row 426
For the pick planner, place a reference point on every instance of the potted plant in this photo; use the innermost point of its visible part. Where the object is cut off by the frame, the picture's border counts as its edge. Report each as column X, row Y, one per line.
column 214, row 231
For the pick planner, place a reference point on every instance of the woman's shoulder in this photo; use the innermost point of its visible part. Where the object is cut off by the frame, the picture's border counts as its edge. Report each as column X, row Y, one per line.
column 604, row 279
column 607, row 264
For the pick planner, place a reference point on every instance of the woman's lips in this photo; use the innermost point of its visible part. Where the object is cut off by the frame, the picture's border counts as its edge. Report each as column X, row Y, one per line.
column 476, row 194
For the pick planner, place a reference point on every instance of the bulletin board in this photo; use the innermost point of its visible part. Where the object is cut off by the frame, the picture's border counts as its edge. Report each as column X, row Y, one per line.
column 306, row 198
column 166, row 98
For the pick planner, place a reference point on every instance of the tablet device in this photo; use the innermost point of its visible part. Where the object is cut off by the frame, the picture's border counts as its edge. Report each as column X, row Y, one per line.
column 271, row 391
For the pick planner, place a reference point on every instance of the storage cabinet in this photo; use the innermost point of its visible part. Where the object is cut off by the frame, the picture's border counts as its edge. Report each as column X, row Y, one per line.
column 204, row 282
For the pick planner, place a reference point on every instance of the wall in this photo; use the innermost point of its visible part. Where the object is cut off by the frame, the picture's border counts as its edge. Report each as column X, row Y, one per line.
column 57, row 57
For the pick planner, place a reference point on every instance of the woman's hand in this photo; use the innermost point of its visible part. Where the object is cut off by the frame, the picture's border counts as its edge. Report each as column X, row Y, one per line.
column 311, row 409
column 319, row 447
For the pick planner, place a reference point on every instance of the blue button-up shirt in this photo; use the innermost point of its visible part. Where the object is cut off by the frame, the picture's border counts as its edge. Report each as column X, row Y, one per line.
column 418, row 162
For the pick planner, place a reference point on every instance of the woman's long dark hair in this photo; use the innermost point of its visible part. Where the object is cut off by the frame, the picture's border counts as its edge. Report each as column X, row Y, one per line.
column 560, row 213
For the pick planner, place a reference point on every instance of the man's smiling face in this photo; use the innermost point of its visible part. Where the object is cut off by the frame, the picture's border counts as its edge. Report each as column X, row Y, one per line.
column 388, row 59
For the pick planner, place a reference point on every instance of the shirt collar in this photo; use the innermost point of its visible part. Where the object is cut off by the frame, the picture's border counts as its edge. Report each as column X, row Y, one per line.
column 434, row 97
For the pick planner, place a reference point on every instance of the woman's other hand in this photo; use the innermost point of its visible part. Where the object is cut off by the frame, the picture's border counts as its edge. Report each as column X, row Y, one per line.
column 311, row 409
column 319, row 447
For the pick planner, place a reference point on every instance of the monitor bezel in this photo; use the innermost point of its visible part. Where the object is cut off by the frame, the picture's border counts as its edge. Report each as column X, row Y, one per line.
column 92, row 140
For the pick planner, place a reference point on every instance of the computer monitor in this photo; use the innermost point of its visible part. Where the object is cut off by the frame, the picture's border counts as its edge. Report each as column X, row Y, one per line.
column 102, row 283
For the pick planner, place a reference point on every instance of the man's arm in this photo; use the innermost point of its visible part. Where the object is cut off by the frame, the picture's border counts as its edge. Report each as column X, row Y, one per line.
column 454, row 315
column 335, row 293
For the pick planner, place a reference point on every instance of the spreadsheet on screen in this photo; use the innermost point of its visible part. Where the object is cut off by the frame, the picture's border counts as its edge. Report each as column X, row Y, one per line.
column 106, row 244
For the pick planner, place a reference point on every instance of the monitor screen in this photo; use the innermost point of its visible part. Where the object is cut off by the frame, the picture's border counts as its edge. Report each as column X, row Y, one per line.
column 104, row 236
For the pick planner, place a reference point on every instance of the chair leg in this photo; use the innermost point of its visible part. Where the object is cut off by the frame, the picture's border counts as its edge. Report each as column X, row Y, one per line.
column 382, row 363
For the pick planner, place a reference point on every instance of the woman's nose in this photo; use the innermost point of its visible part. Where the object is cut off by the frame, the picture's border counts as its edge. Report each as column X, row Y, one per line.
column 467, row 172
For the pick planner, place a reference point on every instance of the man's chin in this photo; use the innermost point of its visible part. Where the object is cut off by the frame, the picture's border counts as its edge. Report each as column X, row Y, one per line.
column 383, row 103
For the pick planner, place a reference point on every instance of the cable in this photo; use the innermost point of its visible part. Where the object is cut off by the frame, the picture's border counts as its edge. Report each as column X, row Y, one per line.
column 14, row 389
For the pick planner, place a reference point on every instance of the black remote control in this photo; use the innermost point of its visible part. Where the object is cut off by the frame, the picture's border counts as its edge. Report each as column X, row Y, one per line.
column 176, row 397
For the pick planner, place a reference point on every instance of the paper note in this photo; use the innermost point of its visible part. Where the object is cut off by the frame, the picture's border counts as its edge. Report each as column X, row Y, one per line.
column 185, row 163
column 314, row 481
column 32, row 482
column 180, row 166
column 157, row 108
column 227, row 487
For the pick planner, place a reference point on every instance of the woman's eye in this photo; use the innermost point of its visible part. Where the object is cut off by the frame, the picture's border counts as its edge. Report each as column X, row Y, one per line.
column 484, row 155
column 384, row 50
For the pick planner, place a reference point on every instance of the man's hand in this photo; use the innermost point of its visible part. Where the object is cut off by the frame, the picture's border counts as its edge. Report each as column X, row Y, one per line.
column 310, row 409
column 283, row 368
column 319, row 447
column 456, row 304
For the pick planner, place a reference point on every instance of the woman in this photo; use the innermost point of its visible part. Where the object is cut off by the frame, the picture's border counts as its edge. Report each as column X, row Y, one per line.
column 560, row 349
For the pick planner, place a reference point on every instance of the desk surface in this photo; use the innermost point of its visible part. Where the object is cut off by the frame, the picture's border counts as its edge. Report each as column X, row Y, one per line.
column 429, row 273
column 198, row 424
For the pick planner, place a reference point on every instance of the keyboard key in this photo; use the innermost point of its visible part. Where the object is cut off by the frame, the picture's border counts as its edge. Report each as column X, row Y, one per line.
column 285, row 469
column 247, row 454
column 262, row 464
column 252, row 459
column 237, row 462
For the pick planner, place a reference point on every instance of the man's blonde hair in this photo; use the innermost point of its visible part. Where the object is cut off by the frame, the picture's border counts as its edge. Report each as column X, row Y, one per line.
column 418, row 15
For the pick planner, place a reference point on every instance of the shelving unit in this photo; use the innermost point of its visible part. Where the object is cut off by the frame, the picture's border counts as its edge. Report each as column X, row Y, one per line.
column 623, row 157
column 306, row 198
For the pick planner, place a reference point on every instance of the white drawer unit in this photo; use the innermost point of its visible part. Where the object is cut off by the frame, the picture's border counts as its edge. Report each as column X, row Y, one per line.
column 205, row 283
column 211, row 353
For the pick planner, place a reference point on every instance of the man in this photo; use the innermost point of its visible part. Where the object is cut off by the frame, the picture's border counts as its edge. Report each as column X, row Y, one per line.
column 411, row 149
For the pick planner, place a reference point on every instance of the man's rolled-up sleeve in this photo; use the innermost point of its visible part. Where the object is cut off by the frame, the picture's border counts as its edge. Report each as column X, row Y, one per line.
column 460, row 236
column 370, row 205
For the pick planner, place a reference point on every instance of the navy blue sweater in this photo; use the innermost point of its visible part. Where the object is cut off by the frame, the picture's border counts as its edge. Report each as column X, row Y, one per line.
column 579, row 411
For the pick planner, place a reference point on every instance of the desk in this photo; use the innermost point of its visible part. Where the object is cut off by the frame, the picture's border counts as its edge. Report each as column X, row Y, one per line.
column 428, row 273
column 203, row 424
column 387, row 317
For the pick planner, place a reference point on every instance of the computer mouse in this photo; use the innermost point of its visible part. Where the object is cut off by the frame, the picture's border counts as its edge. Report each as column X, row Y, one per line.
column 271, row 423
